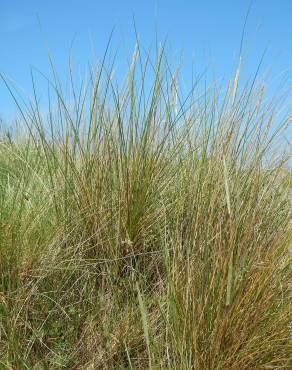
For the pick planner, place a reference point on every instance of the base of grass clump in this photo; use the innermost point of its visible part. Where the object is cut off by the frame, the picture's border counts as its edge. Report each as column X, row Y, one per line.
column 139, row 229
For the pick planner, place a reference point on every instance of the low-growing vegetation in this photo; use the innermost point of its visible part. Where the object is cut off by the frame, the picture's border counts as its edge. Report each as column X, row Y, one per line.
column 141, row 228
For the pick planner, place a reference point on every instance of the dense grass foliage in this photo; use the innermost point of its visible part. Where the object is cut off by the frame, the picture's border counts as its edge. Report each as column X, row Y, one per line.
column 144, row 229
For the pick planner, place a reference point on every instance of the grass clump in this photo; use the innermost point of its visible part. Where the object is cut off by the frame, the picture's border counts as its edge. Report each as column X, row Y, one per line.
column 143, row 229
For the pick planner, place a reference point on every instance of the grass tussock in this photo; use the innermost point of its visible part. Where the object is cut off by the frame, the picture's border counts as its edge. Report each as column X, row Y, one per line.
column 141, row 229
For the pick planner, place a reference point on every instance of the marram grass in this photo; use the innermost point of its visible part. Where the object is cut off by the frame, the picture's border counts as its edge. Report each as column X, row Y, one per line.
column 143, row 230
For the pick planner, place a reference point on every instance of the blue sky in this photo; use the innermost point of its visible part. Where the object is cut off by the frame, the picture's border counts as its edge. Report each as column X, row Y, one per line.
column 205, row 32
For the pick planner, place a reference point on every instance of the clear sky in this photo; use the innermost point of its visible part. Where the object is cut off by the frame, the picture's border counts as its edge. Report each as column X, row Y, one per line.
column 206, row 32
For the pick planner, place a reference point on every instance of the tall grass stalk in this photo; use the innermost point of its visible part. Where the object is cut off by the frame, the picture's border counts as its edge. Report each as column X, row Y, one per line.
column 143, row 228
